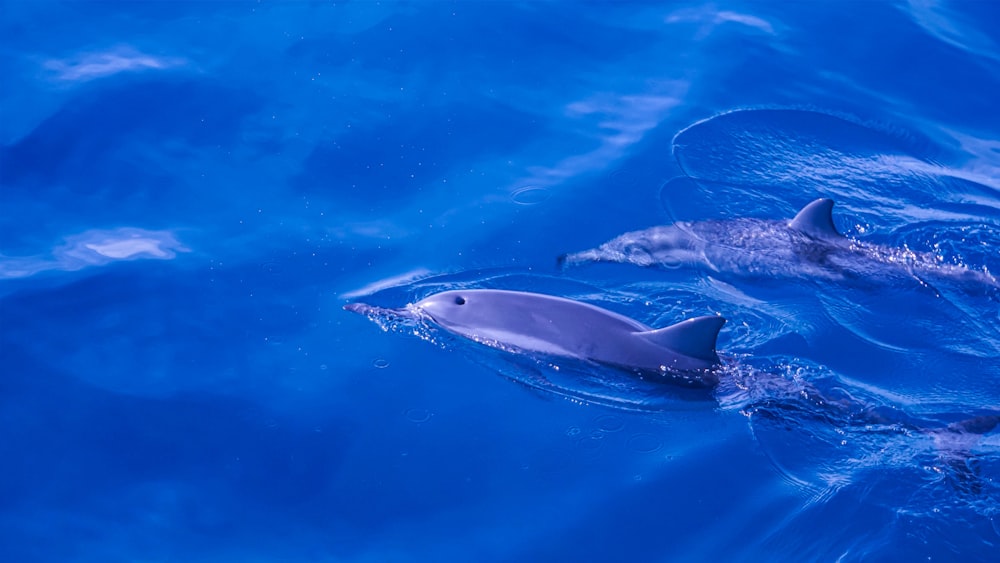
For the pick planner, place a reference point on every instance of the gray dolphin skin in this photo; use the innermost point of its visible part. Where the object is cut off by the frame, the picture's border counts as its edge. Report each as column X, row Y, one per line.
column 532, row 322
column 807, row 246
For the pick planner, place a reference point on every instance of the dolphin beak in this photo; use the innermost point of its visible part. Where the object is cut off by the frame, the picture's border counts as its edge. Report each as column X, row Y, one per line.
column 361, row 308
column 355, row 307
column 372, row 311
column 570, row 259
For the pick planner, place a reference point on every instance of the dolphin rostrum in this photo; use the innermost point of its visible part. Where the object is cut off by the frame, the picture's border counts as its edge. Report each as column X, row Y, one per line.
column 518, row 321
column 807, row 246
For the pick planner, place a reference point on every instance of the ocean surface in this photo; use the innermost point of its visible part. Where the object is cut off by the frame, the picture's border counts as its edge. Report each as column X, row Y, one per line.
column 190, row 192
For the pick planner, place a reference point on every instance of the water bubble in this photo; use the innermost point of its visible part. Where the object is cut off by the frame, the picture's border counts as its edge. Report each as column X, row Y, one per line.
column 380, row 363
column 622, row 177
column 530, row 195
column 590, row 443
column 418, row 415
column 271, row 268
column 573, row 431
column 609, row 423
column 644, row 443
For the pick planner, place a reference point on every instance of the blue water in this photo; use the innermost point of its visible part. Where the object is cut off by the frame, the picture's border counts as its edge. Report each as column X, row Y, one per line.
column 190, row 193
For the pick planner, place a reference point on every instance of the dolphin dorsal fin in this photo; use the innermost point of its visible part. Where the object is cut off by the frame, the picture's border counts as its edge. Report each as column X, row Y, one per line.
column 694, row 338
column 816, row 219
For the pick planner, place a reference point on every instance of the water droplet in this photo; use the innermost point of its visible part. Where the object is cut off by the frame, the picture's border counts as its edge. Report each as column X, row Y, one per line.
column 380, row 363
column 573, row 431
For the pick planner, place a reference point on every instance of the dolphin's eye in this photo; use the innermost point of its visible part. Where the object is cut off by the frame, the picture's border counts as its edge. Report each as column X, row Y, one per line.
column 459, row 300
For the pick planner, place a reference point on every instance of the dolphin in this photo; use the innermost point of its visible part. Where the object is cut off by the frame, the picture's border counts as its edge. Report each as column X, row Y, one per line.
column 517, row 321
column 681, row 354
column 807, row 246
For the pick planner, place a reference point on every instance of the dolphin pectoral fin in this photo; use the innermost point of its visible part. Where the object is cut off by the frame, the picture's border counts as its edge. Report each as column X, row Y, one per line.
column 694, row 338
column 816, row 219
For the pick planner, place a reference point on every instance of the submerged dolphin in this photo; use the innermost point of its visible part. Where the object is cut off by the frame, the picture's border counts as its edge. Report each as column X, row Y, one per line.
column 807, row 246
column 537, row 323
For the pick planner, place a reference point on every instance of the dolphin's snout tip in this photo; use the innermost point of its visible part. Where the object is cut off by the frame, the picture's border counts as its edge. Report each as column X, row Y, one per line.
column 373, row 311
column 568, row 259
column 359, row 308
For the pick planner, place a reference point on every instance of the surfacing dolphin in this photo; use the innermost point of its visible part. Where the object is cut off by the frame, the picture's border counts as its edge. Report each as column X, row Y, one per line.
column 681, row 354
column 807, row 246
column 518, row 321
